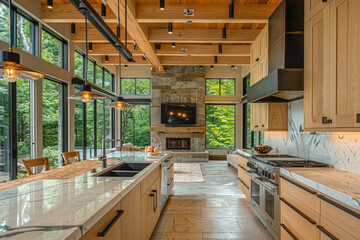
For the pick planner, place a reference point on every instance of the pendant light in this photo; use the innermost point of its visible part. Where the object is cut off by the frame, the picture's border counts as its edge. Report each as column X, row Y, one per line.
column 103, row 10
column 224, row 32
column 85, row 94
column 10, row 67
column 119, row 103
column 173, row 45
column 162, row 4
column 49, row 4
column 231, row 9
column 170, row 28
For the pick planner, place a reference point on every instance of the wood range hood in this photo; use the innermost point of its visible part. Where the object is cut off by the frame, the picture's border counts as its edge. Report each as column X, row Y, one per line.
column 285, row 81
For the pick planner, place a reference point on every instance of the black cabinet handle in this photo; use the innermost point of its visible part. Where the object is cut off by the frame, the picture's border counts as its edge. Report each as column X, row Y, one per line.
column 335, row 204
column 170, row 166
column 298, row 211
column 170, row 182
column 263, row 125
column 256, row 126
column 324, row 0
column 358, row 118
column 241, row 167
column 298, row 185
column 243, row 183
column 322, row 229
column 257, row 59
column 154, row 194
column 111, row 224
column 325, row 120
column 289, row 232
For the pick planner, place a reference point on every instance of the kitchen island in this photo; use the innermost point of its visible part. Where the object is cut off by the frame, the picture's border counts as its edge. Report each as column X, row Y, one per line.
column 67, row 204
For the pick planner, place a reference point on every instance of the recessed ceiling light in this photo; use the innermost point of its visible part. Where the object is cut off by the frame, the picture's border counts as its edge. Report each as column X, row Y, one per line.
column 162, row 4
column 170, row 28
column 49, row 4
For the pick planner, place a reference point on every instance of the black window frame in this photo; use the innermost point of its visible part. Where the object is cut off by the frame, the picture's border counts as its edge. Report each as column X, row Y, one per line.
column 144, row 78
column 220, row 80
column 64, row 46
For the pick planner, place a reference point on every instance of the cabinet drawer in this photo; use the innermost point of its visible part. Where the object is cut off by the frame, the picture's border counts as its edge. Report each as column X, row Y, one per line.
column 341, row 216
column 286, row 234
column 304, row 196
column 330, row 231
column 149, row 180
column 170, row 186
column 170, row 170
column 297, row 223
column 243, row 188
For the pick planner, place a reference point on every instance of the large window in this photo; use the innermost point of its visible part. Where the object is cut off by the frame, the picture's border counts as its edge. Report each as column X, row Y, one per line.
column 108, row 81
column 53, row 49
column 90, row 71
column 135, row 86
column 220, row 126
column 25, row 33
column 52, row 140
column 136, row 125
column 220, row 87
column 4, row 132
column 4, row 22
column 78, row 130
column 79, row 64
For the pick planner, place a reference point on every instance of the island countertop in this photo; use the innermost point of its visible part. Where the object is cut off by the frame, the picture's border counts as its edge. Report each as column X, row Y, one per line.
column 56, row 205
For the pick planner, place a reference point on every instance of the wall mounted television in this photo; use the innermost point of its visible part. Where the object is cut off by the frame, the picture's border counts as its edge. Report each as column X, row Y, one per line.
column 178, row 114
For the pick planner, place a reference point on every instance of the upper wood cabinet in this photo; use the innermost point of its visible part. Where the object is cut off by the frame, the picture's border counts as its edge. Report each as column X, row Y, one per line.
column 312, row 7
column 332, row 72
column 265, row 116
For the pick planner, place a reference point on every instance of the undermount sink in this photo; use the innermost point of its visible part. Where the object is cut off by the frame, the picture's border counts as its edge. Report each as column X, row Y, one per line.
column 124, row 170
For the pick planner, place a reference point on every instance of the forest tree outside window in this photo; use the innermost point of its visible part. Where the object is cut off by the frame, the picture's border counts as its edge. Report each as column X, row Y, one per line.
column 220, row 86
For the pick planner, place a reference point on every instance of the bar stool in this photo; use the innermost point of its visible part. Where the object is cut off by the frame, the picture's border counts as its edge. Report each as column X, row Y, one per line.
column 67, row 155
column 29, row 163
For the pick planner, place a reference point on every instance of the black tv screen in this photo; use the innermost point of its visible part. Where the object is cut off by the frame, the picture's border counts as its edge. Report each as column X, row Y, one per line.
column 178, row 114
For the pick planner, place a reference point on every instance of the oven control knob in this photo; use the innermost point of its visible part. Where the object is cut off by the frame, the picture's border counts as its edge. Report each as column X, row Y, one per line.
column 248, row 164
column 270, row 176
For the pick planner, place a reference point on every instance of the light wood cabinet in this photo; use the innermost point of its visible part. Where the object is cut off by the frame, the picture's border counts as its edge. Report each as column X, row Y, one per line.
column 332, row 73
column 312, row 7
column 130, row 221
column 108, row 227
column 243, row 177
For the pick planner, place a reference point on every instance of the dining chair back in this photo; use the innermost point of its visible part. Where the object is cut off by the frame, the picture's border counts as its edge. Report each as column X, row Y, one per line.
column 29, row 163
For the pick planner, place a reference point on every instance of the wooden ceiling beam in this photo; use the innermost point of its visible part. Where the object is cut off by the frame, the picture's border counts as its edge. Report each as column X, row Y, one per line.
column 101, row 49
column 95, row 36
column 114, row 60
column 203, row 50
column 137, row 31
column 222, row 60
column 206, row 13
column 67, row 13
column 203, row 35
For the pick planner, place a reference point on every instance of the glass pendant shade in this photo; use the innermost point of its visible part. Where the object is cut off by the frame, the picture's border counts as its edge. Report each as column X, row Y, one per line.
column 119, row 104
column 11, row 70
column 86, row 95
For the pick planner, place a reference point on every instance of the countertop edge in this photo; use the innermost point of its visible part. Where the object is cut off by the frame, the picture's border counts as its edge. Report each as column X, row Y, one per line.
column 332, row 193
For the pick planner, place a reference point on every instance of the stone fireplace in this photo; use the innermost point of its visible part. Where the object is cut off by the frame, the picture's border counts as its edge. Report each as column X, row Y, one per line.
column 178, row 84
column 178, row 143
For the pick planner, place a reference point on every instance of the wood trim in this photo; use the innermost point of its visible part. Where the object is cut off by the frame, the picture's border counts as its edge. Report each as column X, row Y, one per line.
column 177, row 129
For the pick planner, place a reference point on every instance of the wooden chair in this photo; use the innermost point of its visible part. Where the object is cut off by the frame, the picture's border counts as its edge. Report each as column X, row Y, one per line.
column 67, row 155
column 29, row 163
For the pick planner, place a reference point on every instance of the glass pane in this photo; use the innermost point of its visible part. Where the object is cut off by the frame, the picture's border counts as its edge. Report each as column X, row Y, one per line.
column 51, row 49
column 248, row 125
column 23, row 124
column 227, row 86
column 143, row 86
column 79, row 64
column 51, row 122
column 24, row 35
column 269, row 204
column 255, row 192
column 261, row 137
column 107, row 120
column 4, row 131
column 220, row 126
column 78, row 131
column 99, row 124
column 128, row 86
column 212, row 87
column 107, row 82
column 4, row 22
column 90, row 73
column 90, row 129
column 136, row 125
column 99, row 74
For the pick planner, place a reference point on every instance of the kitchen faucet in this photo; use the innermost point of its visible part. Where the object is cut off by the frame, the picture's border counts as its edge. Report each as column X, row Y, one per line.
column 103, row 156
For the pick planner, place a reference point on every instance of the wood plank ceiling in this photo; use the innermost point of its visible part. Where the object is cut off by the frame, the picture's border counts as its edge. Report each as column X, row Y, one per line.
column 196, row 38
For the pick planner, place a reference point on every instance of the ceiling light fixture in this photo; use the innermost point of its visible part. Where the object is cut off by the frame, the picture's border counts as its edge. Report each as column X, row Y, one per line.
column 90, row 47
column 157, row 46
column 201, row 67
column 103, row 10
column 85, row 94
column 215, row 59
column 224, row 32
column 49, row 4
column 173, row 45
column 73, row 29
column 232, row 67
column 106, row 58
column 170, row 28
column 220, row 49
column 10, row 68
column 212, row 67
column 231, row 9
column 143, row 57
column 126, row 66
column 136, row 46
column 162, row 4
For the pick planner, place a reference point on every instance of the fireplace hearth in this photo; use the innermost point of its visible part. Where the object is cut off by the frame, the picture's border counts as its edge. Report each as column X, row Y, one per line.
column 178, row 143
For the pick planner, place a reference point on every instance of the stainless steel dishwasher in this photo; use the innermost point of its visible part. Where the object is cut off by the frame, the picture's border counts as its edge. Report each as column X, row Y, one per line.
column 164, row 186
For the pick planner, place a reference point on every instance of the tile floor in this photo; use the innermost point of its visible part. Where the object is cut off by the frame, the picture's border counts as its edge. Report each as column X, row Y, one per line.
column 215, row 209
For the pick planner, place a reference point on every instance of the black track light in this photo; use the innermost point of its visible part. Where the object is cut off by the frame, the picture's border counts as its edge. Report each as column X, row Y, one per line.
column 136, row 46
column 224, row 32
column 157, row 46
column 118, row 31
column 106, row 58
column 201, row 67
column 49, row 4
column 212, row 67
column 232, row 67
column 173, row 45
column 231, row 10
column 103, row 10
column 143, row 57
column 162, row 4
column 90, row 46
column 170, row 28
column 73, row 29
column 215, row 59
column 126, row 66
column 220, row 48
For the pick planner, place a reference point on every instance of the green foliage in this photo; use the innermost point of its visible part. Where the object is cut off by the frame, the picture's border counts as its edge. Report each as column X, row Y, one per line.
column 223, row 86
column 90, row 71
column 24, row 34
column 79, row 64
column 4, row 22
column 51, row 48
column 99, row 74
column 220, row 126
column 107, row 82
column 135, row 86
column 23, row 118
column 128, row 86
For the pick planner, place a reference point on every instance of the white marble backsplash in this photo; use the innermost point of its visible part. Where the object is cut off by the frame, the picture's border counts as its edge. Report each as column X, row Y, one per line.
column 340, row 149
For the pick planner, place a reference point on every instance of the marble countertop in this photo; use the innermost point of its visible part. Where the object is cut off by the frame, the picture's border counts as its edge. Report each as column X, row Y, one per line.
column 337, row 184
column 65, row 208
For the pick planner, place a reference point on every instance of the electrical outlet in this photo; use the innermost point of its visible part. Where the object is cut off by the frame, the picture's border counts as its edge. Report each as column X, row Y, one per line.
column 189, row 12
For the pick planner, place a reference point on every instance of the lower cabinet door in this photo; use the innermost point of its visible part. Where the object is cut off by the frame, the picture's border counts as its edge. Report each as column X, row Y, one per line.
column 150, row 209
column 108, row 227
column 130, row 224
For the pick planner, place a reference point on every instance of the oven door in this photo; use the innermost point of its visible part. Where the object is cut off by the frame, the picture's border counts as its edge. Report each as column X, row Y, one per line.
column 271, row 205
column 255, row 193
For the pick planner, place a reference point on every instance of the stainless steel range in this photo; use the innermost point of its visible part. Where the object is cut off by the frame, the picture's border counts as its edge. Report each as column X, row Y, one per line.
column 264, row 176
